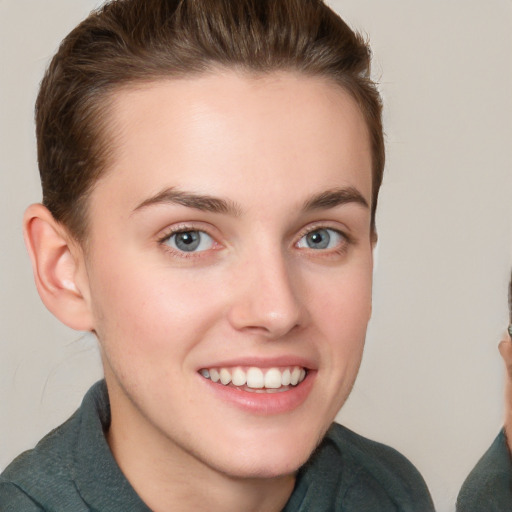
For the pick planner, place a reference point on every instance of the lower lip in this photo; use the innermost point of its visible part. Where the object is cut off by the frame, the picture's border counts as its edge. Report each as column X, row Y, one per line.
column 264, row 403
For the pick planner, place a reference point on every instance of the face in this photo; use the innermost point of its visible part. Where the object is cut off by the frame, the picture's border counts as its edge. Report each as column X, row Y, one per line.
column 229, row 267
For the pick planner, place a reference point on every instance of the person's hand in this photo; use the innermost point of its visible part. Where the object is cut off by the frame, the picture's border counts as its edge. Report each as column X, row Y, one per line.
column 505, row 348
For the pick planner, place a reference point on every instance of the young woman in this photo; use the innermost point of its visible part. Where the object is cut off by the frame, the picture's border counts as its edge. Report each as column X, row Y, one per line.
column 210, row 174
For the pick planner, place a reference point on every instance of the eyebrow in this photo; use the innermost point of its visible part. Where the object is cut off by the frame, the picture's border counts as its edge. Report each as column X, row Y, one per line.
column 200, row 202
column 322, row 201
column 335, row 197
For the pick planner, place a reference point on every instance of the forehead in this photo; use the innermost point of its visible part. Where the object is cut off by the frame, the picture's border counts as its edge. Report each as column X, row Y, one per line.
column 227, row 128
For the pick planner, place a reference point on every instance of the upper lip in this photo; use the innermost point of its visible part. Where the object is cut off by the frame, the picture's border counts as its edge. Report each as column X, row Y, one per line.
column 263, row 362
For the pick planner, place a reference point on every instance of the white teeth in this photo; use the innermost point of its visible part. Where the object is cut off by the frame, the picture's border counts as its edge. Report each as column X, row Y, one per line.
column 256, row 378
column 239, row 378
column 295, row 376
column 225, row 376
column 273, row 379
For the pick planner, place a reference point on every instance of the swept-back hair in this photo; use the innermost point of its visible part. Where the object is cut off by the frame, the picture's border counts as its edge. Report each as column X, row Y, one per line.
column 130, row 41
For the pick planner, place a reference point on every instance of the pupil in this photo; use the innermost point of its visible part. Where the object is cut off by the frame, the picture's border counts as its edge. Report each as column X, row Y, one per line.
column 319, row 239
column 188, row 240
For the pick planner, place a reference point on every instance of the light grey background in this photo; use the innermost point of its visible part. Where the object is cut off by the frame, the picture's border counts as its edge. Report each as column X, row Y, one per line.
column 431, row 380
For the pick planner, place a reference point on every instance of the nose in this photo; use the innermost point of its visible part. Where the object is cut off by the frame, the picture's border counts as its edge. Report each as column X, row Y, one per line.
column 266, row 297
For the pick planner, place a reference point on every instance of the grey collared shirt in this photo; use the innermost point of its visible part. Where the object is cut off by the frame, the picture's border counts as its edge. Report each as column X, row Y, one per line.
column 72, row 469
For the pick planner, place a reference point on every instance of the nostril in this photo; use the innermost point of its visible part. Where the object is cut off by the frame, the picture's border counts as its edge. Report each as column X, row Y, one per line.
column 265, row 302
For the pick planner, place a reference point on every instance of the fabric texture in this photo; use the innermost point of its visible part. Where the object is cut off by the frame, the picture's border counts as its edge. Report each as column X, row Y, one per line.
column 489, row 485
column 72, row 469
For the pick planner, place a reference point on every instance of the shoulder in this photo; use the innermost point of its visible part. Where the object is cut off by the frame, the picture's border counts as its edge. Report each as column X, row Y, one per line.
column 45, row 475
column 380, row 462
column 372, row 456
column 489, row 485
column 13, row 499
column 365, row 475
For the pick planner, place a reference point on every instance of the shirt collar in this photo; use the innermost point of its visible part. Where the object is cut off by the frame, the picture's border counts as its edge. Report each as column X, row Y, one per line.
column 97, row 476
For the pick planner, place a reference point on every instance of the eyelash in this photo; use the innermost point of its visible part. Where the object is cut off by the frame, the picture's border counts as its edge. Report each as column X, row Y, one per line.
column 176, row 230
column 347, row 240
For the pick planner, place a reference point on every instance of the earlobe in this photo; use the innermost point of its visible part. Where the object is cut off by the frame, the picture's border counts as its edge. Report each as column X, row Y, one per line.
column 58, row 265
column 374, row 237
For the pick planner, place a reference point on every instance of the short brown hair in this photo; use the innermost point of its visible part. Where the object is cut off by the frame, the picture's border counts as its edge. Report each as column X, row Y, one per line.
column 130, row 41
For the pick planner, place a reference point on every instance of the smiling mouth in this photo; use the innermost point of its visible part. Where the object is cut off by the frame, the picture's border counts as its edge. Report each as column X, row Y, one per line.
column 257, row 380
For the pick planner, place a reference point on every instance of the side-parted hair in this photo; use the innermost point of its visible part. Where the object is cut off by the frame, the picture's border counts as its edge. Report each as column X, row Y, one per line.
column 127, row 42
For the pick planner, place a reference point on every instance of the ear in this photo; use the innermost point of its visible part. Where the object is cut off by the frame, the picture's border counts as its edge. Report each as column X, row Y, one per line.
column 505, row 348
column 374, row 255
column 374, row 237
column 59, row 268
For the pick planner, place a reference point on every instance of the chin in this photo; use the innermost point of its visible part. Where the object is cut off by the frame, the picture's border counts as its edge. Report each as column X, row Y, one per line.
column 265, row 470
column 272, row 459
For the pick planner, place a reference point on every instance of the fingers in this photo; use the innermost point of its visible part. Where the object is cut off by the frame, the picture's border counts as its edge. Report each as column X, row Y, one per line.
column 505, row 348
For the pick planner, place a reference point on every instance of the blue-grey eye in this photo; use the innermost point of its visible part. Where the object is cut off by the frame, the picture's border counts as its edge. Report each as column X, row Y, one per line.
column 323, row 238
column 190, row 241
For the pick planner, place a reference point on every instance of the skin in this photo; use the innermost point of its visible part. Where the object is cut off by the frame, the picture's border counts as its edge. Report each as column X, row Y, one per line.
column 505, row 348
column 255, row 292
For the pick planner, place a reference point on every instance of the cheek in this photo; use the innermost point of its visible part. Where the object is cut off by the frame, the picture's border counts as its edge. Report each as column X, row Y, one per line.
column 341, row 314
column 344, row 302
column 151, row 312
